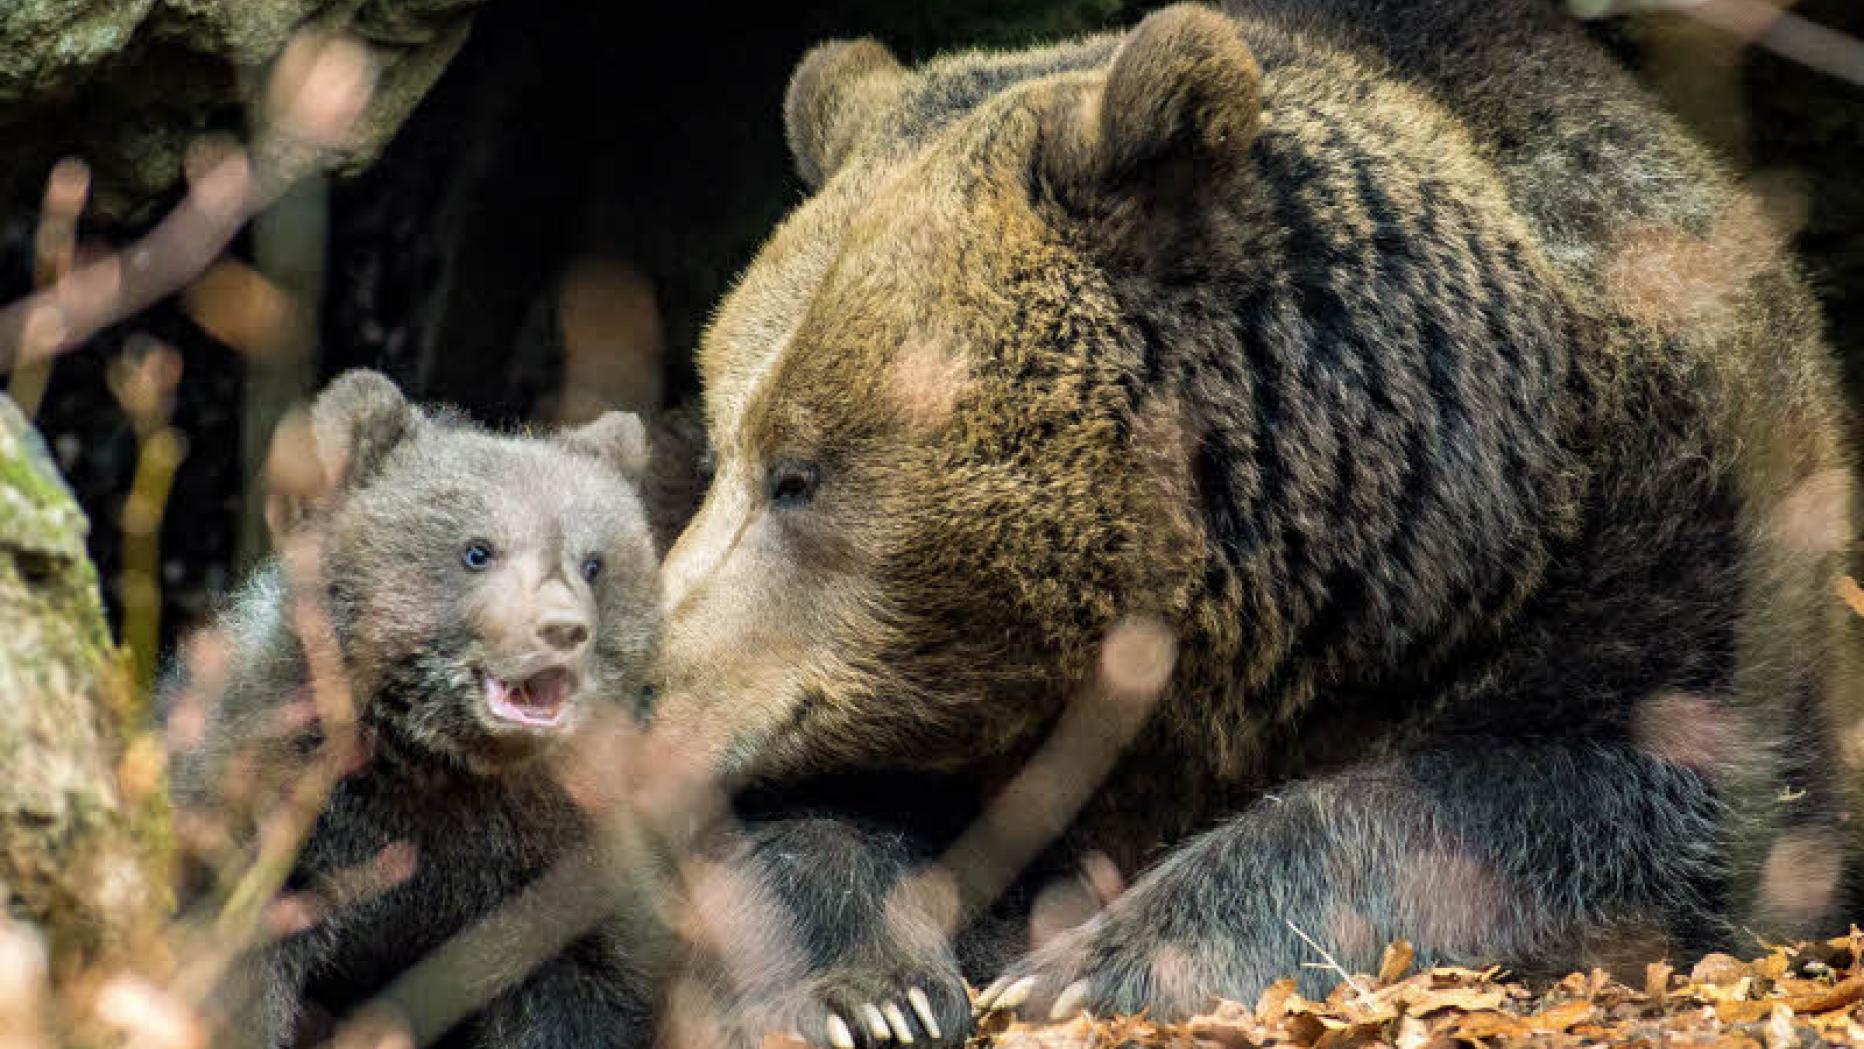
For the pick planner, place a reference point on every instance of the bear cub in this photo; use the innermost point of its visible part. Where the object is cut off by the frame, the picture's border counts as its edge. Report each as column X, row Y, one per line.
column 484, row 595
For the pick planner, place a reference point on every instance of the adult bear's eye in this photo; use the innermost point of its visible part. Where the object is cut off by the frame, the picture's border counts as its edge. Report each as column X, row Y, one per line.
column 793, row 483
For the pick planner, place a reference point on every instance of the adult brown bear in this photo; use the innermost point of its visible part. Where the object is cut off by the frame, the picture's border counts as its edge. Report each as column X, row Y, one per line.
column 1463, row 423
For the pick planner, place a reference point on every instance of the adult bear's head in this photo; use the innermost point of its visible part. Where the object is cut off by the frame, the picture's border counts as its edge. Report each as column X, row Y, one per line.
column 941, row 477
column 1117, row 328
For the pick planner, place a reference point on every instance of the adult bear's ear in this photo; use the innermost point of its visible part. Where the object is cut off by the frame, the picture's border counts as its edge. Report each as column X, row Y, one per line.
column 617, row 438
column 1180, row 106
column 837, row 88
column 358, row 419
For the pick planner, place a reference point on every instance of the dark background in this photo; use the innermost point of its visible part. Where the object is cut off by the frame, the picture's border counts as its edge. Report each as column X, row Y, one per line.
column 569, row 132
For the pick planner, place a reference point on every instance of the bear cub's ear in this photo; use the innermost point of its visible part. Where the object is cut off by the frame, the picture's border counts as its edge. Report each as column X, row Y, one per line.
column 354, row 423
column 617, row 438
column 358, row 419
column 836, row 89
column 1182, row 90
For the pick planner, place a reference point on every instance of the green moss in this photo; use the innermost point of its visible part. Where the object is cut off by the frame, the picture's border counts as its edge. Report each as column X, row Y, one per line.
column 90, row 865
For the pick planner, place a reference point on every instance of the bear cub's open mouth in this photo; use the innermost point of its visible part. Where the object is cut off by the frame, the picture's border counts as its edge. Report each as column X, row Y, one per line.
column 539, row 701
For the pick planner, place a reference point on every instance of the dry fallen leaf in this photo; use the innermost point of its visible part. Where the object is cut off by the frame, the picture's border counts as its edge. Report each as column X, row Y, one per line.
column 1845, row 993
column 1558, row 1018
column 1657, row 980
column 1718, row 970
column 1396, row 962
column 1274, row 1001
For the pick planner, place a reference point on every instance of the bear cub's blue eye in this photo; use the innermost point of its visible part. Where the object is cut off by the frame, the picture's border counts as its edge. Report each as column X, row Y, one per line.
column 476, row 556
column 591, row 567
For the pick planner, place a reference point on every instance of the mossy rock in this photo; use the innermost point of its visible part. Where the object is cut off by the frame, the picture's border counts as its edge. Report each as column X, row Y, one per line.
column 77, row 856
column 126, row 85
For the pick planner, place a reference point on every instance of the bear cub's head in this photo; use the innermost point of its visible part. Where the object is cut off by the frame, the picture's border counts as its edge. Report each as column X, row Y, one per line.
column 487, row 591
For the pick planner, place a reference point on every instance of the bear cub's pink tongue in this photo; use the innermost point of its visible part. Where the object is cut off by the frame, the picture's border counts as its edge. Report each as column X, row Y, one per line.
column 539, row 701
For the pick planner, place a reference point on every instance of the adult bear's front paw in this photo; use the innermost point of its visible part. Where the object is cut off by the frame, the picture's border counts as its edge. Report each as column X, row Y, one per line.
column 881, row 1003
column 883, row 995
column 1118, row 963
column 817, row 929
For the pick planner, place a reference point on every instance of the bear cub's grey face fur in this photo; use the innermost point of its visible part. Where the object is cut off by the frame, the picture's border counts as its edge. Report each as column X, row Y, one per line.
column 488, row 592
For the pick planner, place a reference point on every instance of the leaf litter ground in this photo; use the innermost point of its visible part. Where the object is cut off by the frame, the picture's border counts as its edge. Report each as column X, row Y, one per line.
column 1799, row 995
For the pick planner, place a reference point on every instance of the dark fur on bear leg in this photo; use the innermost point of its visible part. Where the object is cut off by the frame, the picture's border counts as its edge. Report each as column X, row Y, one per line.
column 815, row 927
column 261, row 997
column 573, row 1001
column 1476, row 852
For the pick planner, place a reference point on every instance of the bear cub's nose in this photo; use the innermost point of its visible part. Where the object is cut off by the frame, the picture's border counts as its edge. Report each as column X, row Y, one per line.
column 566, row 633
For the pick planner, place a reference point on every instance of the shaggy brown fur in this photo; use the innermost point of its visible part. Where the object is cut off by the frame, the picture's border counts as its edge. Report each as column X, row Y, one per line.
column 1346, row 340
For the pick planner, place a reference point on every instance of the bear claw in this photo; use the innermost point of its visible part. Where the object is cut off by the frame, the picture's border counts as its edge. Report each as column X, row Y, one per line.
column 923, row 1006
column 839, row 1035
column 987, row 1000
column 876, row 1023
column 1004, row 995
column 896, row 1019
column 1070, row 1001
